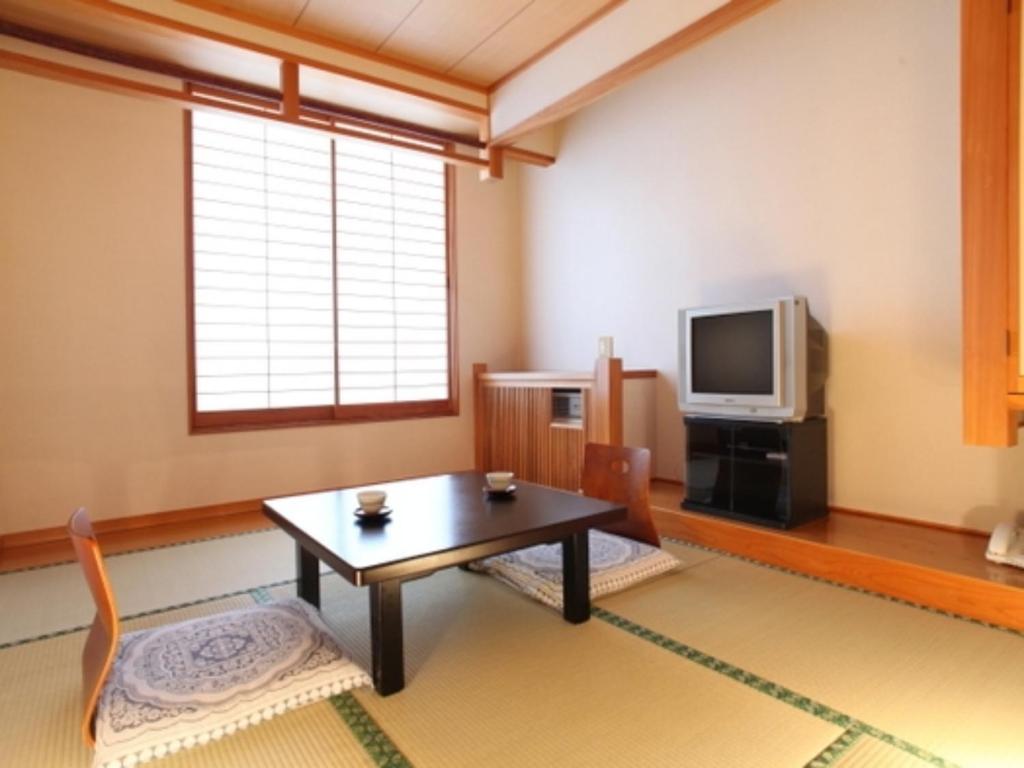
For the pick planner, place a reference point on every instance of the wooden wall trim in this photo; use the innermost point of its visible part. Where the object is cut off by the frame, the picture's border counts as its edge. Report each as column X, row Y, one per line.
column 43, row 535
column 958, row 529
column 986, row 212
column 910, row 521
column 717, row 21
column 983, row 600
column 537, row 379
column 131, row 523
column 170, row 517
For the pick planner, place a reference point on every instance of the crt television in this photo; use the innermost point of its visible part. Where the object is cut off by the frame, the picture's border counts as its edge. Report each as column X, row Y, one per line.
column 757, row 360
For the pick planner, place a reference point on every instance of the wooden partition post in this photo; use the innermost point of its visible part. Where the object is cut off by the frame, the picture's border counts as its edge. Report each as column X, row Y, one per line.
column 606, row 402
column 986, row 212
column 479, row 418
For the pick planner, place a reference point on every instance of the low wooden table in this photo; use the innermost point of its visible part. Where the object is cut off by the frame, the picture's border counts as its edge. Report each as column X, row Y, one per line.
column 436, row 522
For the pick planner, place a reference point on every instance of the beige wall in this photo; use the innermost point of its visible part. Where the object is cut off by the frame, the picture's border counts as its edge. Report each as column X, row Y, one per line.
column 814, row 150
column 93, row 406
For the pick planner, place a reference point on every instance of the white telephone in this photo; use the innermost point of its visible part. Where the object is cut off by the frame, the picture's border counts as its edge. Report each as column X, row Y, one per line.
column 1007, row 545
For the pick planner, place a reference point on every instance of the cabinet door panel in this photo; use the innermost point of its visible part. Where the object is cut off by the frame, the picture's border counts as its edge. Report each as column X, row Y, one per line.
column 709, row 480
column 759, row 440
column 760, row 488
column 709, row 438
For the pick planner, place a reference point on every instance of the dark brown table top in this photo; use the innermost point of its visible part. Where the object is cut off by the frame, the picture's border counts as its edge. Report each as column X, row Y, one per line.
column 436, row 522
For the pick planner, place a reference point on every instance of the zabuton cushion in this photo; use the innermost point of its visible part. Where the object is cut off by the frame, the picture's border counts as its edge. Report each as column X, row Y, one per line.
column 181, row 685
column 616, row 563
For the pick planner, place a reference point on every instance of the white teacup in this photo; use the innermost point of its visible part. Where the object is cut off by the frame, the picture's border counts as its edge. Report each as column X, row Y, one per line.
column 371, row 502
column 500, row 481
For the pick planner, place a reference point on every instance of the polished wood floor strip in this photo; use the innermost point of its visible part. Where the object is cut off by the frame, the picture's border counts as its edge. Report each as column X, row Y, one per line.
column 940, row 568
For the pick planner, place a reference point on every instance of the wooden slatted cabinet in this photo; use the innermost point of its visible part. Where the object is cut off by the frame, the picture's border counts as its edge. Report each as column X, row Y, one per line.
column 521, row 424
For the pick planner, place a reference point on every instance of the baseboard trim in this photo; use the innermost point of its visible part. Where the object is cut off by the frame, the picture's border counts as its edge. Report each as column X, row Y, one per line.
column 910, row 521
column 117, row 524
column 873, row 515
column 170, row 517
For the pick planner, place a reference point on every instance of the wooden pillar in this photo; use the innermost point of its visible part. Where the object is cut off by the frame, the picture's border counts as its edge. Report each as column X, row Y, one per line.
column 606, row 402
column 986, row 223
column 479, row 419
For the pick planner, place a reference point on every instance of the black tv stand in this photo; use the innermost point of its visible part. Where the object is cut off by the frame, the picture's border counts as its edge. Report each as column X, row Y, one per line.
column 769, row 473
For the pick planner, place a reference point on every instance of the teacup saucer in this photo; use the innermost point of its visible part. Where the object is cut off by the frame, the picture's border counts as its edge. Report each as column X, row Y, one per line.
column 499, row 494
column 372, row 517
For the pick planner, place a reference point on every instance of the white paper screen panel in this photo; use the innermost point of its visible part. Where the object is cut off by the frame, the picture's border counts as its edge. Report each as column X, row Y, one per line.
column 392, row 276
column 319, row 269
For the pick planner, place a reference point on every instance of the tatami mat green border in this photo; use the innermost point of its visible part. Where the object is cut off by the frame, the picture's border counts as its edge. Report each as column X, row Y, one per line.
column 373, row 738
column 384, row 753
column 262, row 595
column 767, row 687
column 141, row 614
column 836, row 749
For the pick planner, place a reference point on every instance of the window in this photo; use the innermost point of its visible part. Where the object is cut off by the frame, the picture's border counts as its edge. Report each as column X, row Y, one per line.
column 320, row 277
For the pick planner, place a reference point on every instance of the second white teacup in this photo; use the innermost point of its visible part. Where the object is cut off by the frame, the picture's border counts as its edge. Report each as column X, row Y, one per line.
column 371, row 501
column 500, row 481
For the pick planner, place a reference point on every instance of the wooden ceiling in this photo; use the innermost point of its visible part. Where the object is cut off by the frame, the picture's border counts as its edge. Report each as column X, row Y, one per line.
column 479, row 41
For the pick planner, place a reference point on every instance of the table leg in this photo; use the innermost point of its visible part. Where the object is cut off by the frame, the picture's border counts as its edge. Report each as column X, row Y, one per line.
column 307, row 572
column 386, row 636
column 576, row 578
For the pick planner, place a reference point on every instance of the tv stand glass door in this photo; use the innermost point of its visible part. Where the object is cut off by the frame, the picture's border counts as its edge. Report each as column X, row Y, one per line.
column 759, row 472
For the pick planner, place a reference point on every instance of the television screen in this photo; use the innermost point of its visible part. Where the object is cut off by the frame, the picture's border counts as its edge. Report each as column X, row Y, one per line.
column 732, row 354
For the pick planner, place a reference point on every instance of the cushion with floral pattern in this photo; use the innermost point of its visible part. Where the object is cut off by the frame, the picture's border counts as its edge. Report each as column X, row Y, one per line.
column 182, row 685
column 615, row 564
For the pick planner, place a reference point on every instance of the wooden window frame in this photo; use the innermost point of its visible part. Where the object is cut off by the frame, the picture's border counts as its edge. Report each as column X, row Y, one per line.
column 303, row 416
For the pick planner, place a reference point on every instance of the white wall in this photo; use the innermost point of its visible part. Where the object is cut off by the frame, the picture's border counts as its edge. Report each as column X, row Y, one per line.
column 93, row 403
column 813, row 149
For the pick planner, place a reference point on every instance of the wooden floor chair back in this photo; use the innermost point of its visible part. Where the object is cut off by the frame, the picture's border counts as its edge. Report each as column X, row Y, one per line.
column 151, row 692
column 623, row 475
column 101, row 644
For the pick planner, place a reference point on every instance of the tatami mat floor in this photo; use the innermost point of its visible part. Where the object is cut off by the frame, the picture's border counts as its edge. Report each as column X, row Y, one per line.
column 722, row 663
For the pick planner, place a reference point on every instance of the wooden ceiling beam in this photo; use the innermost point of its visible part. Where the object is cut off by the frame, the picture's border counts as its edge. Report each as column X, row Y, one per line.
column 191, row 100
column 718, row 20
column 452, row 105
column 241, row 90
column 528, row 156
